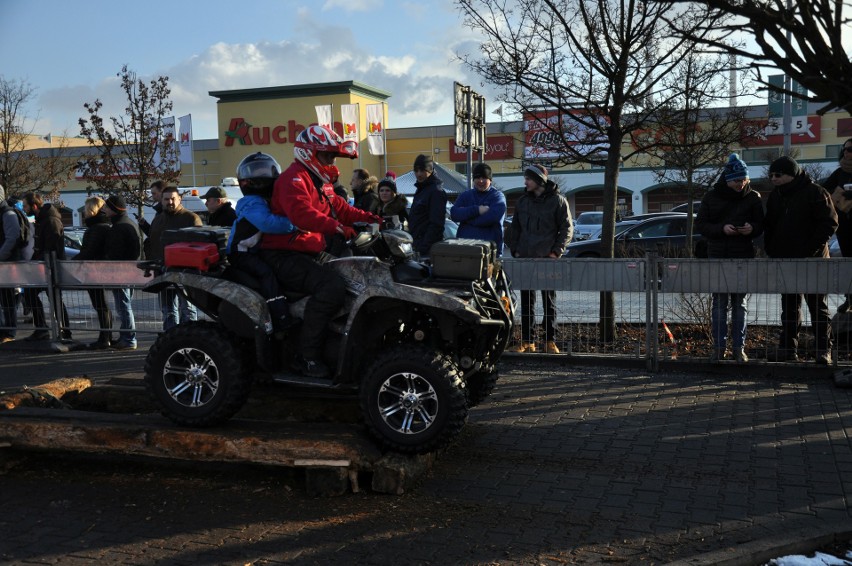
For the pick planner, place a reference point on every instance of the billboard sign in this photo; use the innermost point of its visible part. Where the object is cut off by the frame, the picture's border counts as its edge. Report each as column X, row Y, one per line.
column 542, row 131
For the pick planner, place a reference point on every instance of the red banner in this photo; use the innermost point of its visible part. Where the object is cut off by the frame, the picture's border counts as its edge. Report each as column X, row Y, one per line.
column 844, row 127
column 805, row 129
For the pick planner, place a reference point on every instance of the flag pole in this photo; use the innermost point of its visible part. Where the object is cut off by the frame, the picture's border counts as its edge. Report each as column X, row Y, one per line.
column 192, row 151
column 384, row 136
column 366, row 130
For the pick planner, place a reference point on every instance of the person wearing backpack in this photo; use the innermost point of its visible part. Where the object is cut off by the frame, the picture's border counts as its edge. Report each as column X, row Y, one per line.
column 12, row 236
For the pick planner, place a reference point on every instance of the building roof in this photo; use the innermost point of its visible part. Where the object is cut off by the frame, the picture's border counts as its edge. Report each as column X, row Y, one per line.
column 454, row 183
column 299, row 91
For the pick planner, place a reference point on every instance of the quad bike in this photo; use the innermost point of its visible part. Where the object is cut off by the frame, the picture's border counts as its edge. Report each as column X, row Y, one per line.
column 419, row 343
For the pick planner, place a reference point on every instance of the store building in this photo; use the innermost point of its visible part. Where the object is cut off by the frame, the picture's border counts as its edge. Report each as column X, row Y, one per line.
column 268, row 120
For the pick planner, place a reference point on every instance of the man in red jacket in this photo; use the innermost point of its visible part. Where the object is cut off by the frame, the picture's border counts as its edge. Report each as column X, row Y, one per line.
column 304, row 193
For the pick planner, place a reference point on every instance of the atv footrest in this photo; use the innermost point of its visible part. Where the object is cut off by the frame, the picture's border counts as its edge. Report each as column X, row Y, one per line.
column 293, row 378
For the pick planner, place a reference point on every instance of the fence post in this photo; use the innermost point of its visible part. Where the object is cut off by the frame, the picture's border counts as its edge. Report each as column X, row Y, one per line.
column 652, row 338
column 53, row 296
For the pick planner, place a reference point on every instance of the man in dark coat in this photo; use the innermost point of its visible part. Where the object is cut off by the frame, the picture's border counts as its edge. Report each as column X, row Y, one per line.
column 49, row 238
column 125, row 244
column 175, row 307
column 541, row 228
column 221, row 213
column 730, row 217
column 800, row 219
column 836, row 185
column 10, row 233
column 429, row 207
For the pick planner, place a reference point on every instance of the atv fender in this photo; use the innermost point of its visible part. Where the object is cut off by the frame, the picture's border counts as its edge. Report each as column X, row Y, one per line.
column 220, row 298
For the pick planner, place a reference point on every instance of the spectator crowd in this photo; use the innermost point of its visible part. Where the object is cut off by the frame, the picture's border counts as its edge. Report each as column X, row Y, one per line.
column 286, row 219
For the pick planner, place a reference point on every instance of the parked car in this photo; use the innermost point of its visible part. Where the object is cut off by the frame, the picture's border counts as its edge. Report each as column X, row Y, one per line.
column 586, row 224
column 834, row 247
column 649, row 215
column 665, row 235
column 684, row 207
column 619, row 228
column 73, row 241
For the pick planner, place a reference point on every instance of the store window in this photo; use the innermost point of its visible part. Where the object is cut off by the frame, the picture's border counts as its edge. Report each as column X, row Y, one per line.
column 760, row 155
column 833, row 151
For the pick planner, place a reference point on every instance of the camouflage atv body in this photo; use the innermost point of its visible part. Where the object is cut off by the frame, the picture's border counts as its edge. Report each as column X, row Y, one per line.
column 419, row 350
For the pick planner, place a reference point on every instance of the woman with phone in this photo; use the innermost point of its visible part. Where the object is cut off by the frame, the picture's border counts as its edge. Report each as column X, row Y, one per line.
column 730, row 218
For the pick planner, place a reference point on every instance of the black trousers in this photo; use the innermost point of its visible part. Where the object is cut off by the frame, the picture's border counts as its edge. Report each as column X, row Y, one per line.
column 8, row 312
column 252, row 264
column 791, row 321
column 99, row 302
column 548, row 303
column 299, row 273
column 31, row 298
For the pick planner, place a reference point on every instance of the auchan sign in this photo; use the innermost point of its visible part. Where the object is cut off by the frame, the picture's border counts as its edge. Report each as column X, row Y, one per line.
column 496, row 147
column 242, row 132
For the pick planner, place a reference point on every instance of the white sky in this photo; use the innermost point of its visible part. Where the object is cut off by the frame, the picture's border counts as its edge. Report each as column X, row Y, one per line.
column 71, row 53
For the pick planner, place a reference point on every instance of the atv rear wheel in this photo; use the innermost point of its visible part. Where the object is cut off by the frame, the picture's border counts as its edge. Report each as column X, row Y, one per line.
column 196, row 374
column 412, row 400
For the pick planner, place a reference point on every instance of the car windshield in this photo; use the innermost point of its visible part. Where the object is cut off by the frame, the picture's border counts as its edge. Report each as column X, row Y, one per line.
column 590, row 218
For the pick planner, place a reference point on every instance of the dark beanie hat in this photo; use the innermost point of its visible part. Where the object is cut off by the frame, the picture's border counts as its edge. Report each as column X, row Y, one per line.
column 387, row 182
column 786, row 166
column 537, row 173
column 116, row 204
column 735, row 169
column 482, row 170
column 424, row 162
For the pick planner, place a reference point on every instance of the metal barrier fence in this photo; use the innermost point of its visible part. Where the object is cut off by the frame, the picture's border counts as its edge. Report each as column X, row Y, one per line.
column 661, row 306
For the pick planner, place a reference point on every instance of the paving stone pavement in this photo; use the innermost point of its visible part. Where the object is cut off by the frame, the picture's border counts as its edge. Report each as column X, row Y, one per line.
column 564, row 464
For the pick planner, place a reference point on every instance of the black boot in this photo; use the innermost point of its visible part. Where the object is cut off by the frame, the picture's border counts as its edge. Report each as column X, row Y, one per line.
column 104, row 341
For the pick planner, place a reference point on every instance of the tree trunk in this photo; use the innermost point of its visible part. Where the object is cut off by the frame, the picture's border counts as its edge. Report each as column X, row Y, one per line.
column 606, row 323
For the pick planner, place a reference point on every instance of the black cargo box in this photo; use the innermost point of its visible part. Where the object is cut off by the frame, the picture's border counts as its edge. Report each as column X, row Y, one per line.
column 463, row 258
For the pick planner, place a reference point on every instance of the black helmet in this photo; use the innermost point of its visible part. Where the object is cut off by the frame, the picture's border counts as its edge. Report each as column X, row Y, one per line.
column 256, row 174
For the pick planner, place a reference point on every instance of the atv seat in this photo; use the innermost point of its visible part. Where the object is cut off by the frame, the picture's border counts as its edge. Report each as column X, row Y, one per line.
column 242, row 278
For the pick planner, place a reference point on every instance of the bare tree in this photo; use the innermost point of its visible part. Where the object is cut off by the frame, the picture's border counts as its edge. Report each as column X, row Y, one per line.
column 134, row 149
column 693, row 137
column 595, row 66
column 802, row 38
column 22, row 170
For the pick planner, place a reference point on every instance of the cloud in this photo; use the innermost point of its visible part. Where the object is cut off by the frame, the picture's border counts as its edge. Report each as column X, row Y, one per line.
column 418, row 71
column 352, row 5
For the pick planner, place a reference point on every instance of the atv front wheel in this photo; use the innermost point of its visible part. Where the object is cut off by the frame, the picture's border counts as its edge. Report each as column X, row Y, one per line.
column 196, row 374
column 412, row 400
column 480, row 385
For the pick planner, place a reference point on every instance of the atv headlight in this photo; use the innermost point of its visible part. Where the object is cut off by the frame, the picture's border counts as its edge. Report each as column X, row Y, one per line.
column 399, row 243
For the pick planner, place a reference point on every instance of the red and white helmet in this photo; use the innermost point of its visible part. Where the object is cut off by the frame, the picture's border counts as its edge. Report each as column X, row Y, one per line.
column 319, row 138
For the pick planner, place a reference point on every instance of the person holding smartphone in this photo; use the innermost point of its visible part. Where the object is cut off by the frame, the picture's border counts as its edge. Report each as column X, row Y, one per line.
column 730, row 218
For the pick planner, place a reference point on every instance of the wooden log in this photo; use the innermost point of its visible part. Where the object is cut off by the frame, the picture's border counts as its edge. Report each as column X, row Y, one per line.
column 47, row 395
